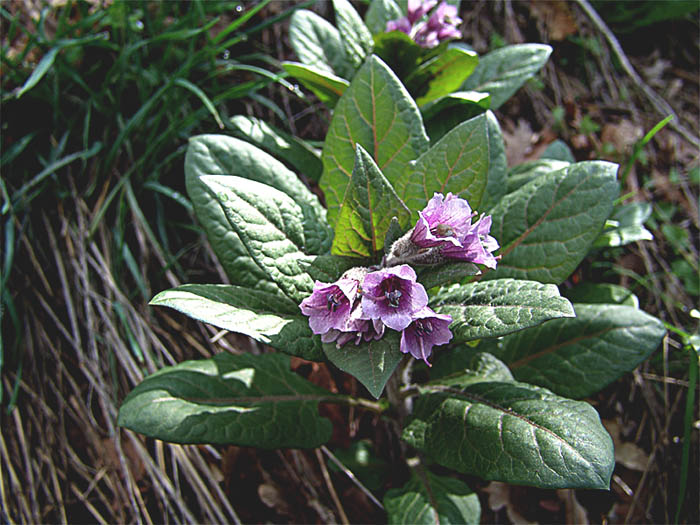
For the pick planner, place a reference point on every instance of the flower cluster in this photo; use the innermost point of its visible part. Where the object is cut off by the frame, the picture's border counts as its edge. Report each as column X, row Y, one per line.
column 441, row 25
column 364, row 302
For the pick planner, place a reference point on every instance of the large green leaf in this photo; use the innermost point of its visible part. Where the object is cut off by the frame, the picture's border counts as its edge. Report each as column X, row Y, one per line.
column 445, row 113
column 317, row 43
column 501, row 72
column 442, row 74
column 263, row 316
column 600, row 293
column 245, row 400
column 445, row 273
column 376, row 112
column 513, row 432
column 326, row 86
column 494, row 308
column 428, row 498
column 546, row 227
column 523, row 173
column 280, row 144
column 270, row 225
column 369, row 205
column 458, row 163
column 372, row 363
column 380, row 12
column 354, row 35
column 329, row 268
column 222, row 155
column 498, row 164
column 577, row 357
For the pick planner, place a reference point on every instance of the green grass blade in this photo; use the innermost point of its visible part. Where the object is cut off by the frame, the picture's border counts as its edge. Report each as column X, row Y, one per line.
column 39, row 71
column 687, row 428
column 203, row 97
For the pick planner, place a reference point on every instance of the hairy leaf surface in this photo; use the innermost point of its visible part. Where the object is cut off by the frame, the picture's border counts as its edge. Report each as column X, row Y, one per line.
column 376, row 112
column 494, row 308
column 263, row 316
column 513, row 432
column 244, row 400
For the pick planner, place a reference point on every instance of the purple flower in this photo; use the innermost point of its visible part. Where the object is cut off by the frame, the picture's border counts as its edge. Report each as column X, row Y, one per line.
column 363, row 330
column 393, row 296
column 443, row 222
column 329, row 305
column 477, row 245
column 441, row 25
column 428, row 329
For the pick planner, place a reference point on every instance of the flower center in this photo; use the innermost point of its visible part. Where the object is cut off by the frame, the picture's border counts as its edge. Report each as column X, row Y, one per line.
column 424, row 327
column 390, row 287
column 333, row 302
column 442, row 230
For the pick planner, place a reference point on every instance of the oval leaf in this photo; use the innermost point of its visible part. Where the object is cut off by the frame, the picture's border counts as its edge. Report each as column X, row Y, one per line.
column 354, row 35
column 317, row 43
column 372, row 363
column 547, row 226
column 501, row 72
column 265, row 317
column 494, row 308
column 376, row 112
column 458, row 163
column 369, row 205
column 513, row 432
column 270, row 225
column 245, row 400
column 326, row 86
column 432, row 499
column 577, row 357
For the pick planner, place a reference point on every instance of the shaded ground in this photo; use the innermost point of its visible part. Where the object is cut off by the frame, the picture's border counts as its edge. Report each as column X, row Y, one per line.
column 86, row 341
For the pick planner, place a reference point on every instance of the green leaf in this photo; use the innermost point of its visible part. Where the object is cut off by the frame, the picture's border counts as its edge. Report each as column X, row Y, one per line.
column 458, row 163
column 377, row 113
column 222, row 155
column 464, row 365
column 40, row 70
column 442, row 74
column 369, row 205
column 393, row 233
column 558, row 150
column 431, row 499
column 577, row 357
column 601, row 293
column 400, row 51
column 244, row 400
column 380, row 12
column 494, row 308
column 523, row 173
column 629, row 219
column 265, row 317
column 445, row 273
column 498, row 164
column 501, row 72
column 546, row 227
column 448, row 112
column 513, row 432
column 326, row 86
column 317, row 43
column 371, row 363
column 354, row 35
column 280, row 144
column 270, row 225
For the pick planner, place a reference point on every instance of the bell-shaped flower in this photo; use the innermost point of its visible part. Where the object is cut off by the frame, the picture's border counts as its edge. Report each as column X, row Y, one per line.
column 392, row 295
column 427, row 329
column 476, row 246
column 443, row 222
column 441, row 25
column 329, row 305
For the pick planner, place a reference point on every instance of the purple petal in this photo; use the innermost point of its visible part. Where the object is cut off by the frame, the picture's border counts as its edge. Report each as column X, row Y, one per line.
column 428, row 329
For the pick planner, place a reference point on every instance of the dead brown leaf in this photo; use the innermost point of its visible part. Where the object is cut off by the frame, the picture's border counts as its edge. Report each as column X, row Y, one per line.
column 556, row 18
